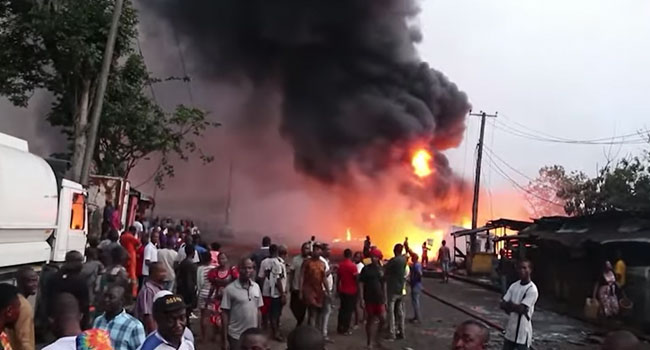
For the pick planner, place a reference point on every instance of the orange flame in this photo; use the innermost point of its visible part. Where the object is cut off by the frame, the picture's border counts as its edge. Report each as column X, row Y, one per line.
column 420, row 163
column 348, row 235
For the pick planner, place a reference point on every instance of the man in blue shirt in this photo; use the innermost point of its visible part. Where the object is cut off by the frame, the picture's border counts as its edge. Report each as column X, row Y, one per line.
column 126, row 332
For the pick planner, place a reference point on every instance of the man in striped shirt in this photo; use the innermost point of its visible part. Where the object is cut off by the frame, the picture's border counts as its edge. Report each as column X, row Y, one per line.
column 126, row 332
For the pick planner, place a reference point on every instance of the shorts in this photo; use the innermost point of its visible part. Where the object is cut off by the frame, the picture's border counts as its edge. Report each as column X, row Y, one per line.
column 266, row 308
column 375, row 309
column 275, row 310
column 445, row 266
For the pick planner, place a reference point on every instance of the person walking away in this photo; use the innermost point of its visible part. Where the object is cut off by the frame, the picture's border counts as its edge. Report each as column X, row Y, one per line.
column 359, row 313
column 415, row 280
column 126, row 332
column 519, row 304
column 329, row 285
column 144, row 303
column 240, row 306
column 131, row 245
column 444, row 258
column 620, row 269
column 203, row 286
column 91, row 272
column 167, row 258
column 115, row 272
column 9, row 313
column 275, row 277
column 254, row 339
column 139, row 256
column 470, row 335
column 347, row 288
column 186, row 280
column 425, row 254
column 313, row 285
column 366, row 247
column 606, row 292
column 219, row 278
column 150, row 256
column 138, row 226
column 169, row 315
column 305, row 337
column 297, row 306
column 21, row 336
column 371, row 287
column 69, row 280
column 395, row 283
column 215, row 249
column 259, row 256
column 107, row 245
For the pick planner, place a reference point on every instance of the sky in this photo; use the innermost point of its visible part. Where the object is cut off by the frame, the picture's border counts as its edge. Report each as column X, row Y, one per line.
column 574, row 69
column 571, row 69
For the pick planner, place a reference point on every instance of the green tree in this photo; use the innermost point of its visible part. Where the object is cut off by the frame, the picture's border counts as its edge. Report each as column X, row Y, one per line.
column 58, row 46
column 624, row 185
column 133, row 126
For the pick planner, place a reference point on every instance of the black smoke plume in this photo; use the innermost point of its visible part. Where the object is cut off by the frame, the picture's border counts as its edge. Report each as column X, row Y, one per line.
column 353, row 87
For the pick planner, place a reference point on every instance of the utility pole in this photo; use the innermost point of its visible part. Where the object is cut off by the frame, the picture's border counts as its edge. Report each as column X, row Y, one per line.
column 477, row 177
column 101, row 89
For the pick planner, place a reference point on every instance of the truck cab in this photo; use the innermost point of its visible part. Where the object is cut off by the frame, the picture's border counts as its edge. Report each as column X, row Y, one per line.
column 42, row 215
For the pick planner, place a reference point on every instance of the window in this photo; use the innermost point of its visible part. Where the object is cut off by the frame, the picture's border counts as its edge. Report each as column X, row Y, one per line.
column 78, row 212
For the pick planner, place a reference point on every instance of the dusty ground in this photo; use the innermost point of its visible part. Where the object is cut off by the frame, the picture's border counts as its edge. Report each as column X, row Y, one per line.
column 552, row 331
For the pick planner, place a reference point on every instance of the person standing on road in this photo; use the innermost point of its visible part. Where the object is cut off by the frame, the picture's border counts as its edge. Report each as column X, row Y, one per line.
column 415, row 279
column 470, row 335
column 519, row 304
column 186, row 279
column 145, row 301
column 425, row 254
column 329, row 285
column 313, row 285
column 297, row 306
column 126, row 332
column 131, row 245
column 259, row 256
column 240, row 306
column 274, row 275
column 444, row 258
column 395, row 283
column 347, row 288
column 150, row 255
column 21, row 336
column 167, row 258
column 359, row 312
column 372, row 286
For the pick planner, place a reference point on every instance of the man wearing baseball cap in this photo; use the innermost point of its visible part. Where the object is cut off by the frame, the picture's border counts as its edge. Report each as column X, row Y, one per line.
column 169, row 314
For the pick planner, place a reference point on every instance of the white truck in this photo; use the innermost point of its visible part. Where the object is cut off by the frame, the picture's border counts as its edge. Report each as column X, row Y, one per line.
column 42, row 215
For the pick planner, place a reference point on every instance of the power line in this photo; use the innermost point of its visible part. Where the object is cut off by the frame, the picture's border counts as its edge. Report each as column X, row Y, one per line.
column 536, row 133
column 515, row 184
column 598, row 141
column 188, row 81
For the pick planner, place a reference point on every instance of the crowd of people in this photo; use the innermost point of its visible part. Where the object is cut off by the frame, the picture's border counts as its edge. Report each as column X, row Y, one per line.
column 141, row 289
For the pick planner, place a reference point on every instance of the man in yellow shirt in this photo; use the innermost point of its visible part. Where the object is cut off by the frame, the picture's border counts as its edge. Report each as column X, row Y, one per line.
column 21, row 336
column 619, row 269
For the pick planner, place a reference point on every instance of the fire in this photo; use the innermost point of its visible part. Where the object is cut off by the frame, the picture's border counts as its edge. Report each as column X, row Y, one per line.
column 348, row 235
column 421, row 163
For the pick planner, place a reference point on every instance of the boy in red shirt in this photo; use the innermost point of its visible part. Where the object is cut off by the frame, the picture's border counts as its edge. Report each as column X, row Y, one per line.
column 347, row 287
